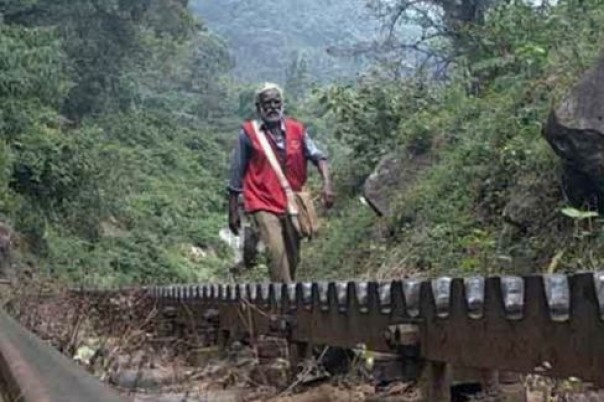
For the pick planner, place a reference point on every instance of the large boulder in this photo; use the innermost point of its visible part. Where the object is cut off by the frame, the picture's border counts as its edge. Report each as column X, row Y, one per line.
column 575, row 131
column 395, row 173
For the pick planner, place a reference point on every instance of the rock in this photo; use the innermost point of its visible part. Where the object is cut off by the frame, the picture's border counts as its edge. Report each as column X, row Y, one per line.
column 196, row 254
column 532, row 201
column 275, row 374
column 241, row 355
column 388, row 368
column 146, row 378
column 521, row 209
column 201, row 356
column 209, row 396
column 136, row 359
column 575, row 131
column 338, row 360
column 395, row 392
column 394, row 174
column 512, row 393
column 84, row 354
column 270, row 348
column 112, row 228
column 324, row 393
column 536, row 396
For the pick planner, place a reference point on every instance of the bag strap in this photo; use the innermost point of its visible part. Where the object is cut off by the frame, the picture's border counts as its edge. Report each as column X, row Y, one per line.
column 272, row 160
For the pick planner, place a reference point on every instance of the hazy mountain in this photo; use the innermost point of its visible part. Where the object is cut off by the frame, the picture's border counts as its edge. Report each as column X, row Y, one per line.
column 266, row 36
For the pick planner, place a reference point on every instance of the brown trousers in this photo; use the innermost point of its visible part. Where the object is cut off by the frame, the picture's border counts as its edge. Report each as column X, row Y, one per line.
column 282, row 245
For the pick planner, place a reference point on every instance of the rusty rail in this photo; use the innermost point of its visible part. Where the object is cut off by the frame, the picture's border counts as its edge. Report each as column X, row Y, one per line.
column 31, row 371
column 552, row 324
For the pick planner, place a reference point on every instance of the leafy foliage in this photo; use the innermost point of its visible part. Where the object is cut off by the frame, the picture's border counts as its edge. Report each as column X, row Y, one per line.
column 115, row 119
column 491, row 199
column 111, row 170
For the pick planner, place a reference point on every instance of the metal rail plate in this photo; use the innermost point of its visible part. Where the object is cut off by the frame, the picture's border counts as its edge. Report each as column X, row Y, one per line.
column 31, row 371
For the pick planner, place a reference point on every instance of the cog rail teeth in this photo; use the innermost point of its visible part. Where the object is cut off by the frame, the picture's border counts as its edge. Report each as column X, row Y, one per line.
column 513, row 323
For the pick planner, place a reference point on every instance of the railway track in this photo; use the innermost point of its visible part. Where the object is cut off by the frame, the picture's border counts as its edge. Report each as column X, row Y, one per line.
column 551, row 324
column 31, row 371
column 438, row 329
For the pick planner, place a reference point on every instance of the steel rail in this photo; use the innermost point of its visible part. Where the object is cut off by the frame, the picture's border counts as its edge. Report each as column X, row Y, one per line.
column 31, row 371
column 553, row 324
column 550, row 324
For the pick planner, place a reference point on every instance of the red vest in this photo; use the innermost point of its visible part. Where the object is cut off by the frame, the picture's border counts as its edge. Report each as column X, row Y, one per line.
column 261, row 188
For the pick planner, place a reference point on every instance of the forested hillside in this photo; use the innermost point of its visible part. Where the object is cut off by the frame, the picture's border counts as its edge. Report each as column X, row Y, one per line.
column 272, row 40
column 476, row 187
column 111, row 164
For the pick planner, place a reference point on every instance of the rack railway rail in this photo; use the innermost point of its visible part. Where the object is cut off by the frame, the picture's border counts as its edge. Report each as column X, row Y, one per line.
column 551, row 324
column 31, row 371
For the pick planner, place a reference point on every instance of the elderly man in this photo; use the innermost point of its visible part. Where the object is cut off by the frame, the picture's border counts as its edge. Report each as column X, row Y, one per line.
column 264, row 197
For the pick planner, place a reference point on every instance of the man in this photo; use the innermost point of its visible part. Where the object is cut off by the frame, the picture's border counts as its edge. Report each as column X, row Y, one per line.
column 264, row 198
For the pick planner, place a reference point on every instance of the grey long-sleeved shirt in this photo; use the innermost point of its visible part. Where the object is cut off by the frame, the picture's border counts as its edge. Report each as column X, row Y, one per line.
column 242, row 154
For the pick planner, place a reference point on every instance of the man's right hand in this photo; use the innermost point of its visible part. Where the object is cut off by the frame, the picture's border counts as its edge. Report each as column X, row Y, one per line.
column 234, row 222
column 234, row 217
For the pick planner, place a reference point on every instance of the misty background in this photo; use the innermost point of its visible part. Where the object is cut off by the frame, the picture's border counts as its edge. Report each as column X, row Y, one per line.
column 266, row 37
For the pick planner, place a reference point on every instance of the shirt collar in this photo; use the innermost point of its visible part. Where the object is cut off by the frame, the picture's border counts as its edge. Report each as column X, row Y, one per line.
column 263, row 126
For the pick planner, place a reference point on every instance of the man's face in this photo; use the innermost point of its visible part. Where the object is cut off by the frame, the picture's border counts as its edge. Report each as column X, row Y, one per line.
column 270, row 106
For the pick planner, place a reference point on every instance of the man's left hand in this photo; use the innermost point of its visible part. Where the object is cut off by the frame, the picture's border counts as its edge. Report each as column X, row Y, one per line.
column 328, row 196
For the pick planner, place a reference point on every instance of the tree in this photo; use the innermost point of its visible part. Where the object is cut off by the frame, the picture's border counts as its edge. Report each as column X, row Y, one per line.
column 297, row 78
column 110, row 165
column 444, row 28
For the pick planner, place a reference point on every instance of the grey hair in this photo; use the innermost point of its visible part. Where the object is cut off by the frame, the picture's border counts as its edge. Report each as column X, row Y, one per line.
column 265, row 87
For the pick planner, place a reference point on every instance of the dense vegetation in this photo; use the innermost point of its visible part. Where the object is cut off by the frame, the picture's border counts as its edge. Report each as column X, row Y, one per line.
column 112, row 152
column 116, row 118
column 491, row 199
